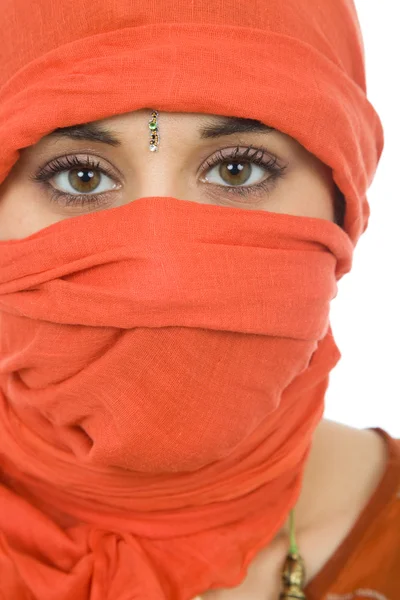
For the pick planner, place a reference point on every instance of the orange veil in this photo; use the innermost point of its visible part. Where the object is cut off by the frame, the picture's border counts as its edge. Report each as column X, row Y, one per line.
column 163, row 364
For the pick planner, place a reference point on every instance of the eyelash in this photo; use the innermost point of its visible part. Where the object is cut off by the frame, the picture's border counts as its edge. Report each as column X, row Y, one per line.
column 66, row 163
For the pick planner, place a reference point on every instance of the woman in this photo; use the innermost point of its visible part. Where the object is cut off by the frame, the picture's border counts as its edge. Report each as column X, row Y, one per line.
column 175, row 217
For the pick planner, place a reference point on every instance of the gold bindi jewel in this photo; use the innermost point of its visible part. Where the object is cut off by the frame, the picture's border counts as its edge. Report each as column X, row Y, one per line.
column 154, row 135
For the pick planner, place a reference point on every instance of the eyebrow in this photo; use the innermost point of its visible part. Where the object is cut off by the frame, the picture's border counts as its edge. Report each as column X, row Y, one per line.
column 217, row 127
column 221, row 126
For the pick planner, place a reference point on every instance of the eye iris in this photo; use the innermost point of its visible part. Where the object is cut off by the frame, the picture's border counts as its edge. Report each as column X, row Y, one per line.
column 235, row 173
column 84, row 180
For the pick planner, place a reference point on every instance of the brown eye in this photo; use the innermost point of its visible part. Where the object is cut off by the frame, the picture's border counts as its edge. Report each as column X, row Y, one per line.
column 71, row 180
column 235, row 172
column 83, row 180
column 74, row 176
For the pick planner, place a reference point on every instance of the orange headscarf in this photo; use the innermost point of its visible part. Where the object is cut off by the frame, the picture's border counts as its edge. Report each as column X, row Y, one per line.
column 163, row 364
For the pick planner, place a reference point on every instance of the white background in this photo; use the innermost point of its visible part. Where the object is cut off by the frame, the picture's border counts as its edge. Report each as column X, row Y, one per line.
column 364, row 389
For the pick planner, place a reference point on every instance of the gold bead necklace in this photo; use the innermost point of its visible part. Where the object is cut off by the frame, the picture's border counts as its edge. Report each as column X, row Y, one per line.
column 293, row 571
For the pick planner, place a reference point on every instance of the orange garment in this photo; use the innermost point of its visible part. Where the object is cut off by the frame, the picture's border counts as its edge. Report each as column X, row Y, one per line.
column 163, row 364
column 367, row 563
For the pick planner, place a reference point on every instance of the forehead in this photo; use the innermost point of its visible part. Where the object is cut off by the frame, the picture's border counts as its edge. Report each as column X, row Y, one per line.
column 210, row 126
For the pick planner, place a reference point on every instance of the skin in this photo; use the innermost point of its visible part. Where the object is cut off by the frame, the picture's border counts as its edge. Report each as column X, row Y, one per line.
column 306, row 188
column 343, row 469
column 334, row 488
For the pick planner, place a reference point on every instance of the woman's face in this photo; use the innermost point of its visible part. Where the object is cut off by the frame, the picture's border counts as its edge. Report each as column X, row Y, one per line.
column 201, row 158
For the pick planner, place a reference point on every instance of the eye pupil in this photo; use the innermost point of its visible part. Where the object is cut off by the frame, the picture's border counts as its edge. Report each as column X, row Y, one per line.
column 233, row 166
column 84, row 180
column 82, row 174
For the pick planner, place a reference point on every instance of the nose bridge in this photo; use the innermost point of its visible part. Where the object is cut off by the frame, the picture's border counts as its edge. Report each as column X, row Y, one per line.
column 161, row 172
column 157, row 176
column 164, row 173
